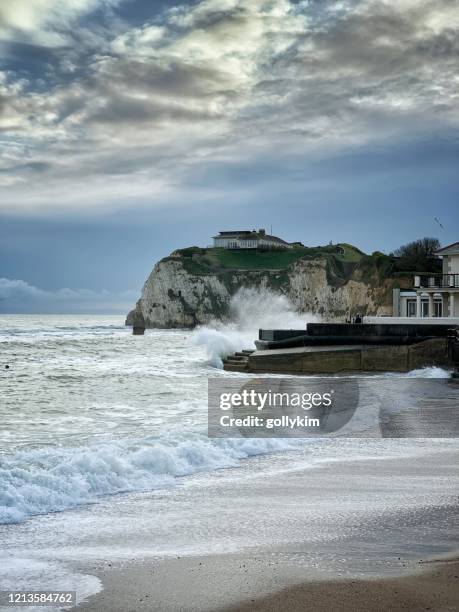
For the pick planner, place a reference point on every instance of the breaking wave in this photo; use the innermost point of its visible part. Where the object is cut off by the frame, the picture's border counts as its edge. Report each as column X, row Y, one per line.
column 250, row 310
column 54, row 479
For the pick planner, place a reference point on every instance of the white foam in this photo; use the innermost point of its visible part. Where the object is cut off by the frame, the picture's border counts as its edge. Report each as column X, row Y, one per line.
column 250, row 310
column 53, row 479
column 430, row 372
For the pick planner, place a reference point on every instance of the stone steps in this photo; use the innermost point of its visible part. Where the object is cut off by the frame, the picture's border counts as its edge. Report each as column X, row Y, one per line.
column 233, row 361
column 238, row 362
column 234, row 367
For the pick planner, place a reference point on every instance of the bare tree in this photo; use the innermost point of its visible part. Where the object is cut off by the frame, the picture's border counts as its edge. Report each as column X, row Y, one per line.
column 418, row 255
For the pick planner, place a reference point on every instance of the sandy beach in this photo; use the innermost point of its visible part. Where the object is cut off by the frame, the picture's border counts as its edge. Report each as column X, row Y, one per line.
column 436, row 590
column 243, row 584
column 372, row 562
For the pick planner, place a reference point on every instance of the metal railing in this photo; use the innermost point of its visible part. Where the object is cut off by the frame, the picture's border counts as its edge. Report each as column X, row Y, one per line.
column 440, row 281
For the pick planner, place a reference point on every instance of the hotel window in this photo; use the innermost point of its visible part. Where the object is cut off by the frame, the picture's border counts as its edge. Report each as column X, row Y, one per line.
column 411, row 308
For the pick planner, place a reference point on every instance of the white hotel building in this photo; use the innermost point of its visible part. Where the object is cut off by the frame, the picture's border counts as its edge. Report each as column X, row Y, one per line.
column 249, row 239
column 434, row 297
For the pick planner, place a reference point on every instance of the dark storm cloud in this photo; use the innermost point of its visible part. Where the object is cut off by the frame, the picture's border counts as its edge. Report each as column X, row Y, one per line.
column 175, row 78
column 121, row 108
column 154, row 95
column 384, row 43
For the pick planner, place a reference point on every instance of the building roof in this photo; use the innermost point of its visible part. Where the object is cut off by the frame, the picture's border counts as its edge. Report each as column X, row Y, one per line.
column 254, row 235
column 275, row 239
column 234, row 233
column 449, row 250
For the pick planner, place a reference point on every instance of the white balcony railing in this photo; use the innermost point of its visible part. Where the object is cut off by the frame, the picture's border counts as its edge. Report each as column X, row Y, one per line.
column 433, row 281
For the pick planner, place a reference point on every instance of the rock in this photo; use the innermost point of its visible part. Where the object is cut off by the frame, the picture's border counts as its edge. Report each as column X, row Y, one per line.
column 130, row 317
column 136, row 319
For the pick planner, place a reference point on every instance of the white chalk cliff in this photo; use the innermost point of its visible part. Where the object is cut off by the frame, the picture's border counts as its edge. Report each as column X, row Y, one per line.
column 187, row 288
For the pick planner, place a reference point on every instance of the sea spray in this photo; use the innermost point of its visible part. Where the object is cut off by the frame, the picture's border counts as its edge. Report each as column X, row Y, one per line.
column 250, row 310
column 221, row 340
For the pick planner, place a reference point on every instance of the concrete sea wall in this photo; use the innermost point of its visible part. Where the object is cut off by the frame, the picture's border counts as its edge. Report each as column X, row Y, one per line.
column 352, row 358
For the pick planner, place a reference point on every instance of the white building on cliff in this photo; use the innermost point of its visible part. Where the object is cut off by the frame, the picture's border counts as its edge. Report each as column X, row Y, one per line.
column 249, row 239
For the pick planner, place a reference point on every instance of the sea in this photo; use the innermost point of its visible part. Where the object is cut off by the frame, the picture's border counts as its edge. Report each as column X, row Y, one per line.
column 102, row 432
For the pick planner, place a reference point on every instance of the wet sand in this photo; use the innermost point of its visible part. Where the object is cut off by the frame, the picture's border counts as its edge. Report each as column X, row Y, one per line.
column 344, row 536
column 253, row 584
column 437, row 590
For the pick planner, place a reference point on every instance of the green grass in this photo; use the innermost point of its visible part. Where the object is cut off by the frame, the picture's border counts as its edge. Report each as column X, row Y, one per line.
column 277, row 260
column 204, row 261
column 351, row 253
column 255, row 259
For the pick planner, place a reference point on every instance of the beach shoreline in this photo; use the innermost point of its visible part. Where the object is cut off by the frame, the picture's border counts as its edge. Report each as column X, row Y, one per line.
column 273, row 527
column 253, row 583
column 365, row 563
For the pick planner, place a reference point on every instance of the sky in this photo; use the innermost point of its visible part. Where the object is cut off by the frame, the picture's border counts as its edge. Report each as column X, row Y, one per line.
column 130, row 128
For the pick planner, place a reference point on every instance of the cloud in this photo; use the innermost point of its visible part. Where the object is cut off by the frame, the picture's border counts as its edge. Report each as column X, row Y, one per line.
column 44, row 22
column 17, row 296
column 128, row 113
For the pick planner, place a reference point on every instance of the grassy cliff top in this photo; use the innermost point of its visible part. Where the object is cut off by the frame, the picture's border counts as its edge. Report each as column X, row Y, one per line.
column 201, row 261
column 343, row 262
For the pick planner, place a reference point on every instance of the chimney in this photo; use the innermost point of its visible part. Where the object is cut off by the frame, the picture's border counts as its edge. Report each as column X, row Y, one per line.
column 262, row 232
